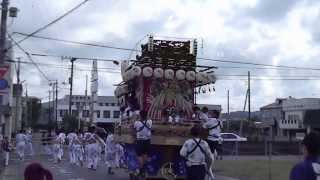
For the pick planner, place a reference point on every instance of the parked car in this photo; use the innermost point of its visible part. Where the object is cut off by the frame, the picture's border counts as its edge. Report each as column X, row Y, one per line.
column 232, row 137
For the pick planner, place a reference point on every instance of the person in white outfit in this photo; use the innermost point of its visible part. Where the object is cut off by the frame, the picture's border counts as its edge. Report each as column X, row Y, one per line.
column 71, row 137
column 58, row 148
column 143, row 142
column 119, row 155
column 198, row 156
column 214, row 126
column 29, row 145
column 92, row 148
column 78, row 151
column 21, row 141
column 6, row 147
column 110, row 153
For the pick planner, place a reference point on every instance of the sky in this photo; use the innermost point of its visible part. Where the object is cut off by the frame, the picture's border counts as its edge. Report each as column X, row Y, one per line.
column 258, row 31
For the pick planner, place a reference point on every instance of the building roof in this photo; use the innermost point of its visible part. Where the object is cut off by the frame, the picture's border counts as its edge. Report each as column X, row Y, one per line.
column 311, row 118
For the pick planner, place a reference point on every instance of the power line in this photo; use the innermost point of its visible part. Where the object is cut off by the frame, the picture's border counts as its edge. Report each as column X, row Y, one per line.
column 51, row 23
column 78, row 42
column 257, row 64
column 200, row 58
column 29, row 57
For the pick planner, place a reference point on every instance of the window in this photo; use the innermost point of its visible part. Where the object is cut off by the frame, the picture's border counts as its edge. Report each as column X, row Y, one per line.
column 106, row 114
column 85, row 113
column 1, row 99
column 116, row 114
column 107, row 104
column 100, row 104
column 98, row 114
column 113, row 104
column 61, row 113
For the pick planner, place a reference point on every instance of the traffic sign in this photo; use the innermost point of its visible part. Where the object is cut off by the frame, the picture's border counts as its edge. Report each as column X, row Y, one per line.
column 3, row 84
column 3, row 71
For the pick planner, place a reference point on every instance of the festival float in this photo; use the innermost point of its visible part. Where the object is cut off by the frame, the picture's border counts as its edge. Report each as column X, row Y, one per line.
column 164, row 80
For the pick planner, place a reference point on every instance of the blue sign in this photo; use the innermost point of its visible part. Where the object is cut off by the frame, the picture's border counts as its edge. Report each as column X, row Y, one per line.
column 3, row 84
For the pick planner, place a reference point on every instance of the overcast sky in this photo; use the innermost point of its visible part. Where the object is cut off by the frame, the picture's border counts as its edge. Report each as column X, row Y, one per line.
column 276, row 32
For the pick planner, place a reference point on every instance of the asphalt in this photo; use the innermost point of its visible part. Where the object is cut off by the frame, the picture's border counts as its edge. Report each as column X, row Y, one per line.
column 64, row 170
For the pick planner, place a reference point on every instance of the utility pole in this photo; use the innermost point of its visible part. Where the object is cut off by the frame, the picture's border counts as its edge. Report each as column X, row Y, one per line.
column 27, row 108
column 50, row 120
column 3, row 29
column 228, row 108
column 56, row 124
column 71, row 85
column 249, row 98
column 18, row 100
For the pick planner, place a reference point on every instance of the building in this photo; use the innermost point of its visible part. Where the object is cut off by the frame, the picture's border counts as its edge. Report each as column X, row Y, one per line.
column 273, row 115
column 291, row 116
column 107, row 110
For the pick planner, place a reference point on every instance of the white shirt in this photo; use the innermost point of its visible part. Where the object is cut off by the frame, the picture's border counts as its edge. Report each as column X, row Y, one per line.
column 203, row 116
column 214, row 134
column 110, row 144
column 71, row 137
column 62, row 137
column 21, row 138
column 143, row 133
column 29, row 137
column 197, row 157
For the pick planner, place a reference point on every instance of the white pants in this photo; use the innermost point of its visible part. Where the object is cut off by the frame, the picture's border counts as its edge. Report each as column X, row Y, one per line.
column 6, row 158
column 29, row 148
column 20, row 149
column 71, row 151
column 57, row 152
column 93, row 155
column 78, row 154
column 110, row 158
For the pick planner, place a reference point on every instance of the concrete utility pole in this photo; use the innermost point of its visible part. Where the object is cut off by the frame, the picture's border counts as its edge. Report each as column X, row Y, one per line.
column 18, row 100
column 50, row 119
column 56, row 124
column 249, row 98
column 3, row 29
column 71, row 85
column 228, row 108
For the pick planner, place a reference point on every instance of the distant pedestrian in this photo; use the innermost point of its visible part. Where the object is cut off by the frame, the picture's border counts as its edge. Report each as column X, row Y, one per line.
column 309, row 169
column 35, row 171
column 21, row 141
column 198, row 155
column 29, row 145
column 6, row 147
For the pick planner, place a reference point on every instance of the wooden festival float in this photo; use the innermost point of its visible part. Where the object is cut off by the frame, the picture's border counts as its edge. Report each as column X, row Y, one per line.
column 164, row 81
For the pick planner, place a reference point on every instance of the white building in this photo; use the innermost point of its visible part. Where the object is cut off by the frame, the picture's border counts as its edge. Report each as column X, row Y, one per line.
column 107, row 109
column 295, row 109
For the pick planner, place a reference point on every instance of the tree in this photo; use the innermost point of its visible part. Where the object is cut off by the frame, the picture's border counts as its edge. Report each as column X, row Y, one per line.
column 70, row 123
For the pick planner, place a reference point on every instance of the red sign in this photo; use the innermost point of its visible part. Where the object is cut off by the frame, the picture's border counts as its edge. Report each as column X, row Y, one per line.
column 3, row 71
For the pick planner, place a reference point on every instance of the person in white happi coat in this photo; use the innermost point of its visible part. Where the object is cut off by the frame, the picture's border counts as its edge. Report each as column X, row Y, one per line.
column 119, row 155
column 198, row 156
column 110, row 153
column 58, row 147
column 78, row 150
column 71, row 137
column 29, row 145
column 21, row 141
column 93, row 149
column 143, row 140
column 214, row 126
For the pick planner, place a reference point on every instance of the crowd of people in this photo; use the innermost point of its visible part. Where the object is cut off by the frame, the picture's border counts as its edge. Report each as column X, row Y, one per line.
column 86, row 149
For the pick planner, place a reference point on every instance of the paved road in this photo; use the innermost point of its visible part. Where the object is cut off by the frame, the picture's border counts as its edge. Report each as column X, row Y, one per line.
column 63, row 170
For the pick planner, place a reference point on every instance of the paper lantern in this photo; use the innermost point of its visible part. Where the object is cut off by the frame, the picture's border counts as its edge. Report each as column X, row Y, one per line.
column 158, row 73
column 136, row 71
column 180, row 74
column 147, row 72
column 200, row 77
column 191, row 75
column 169, row 74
